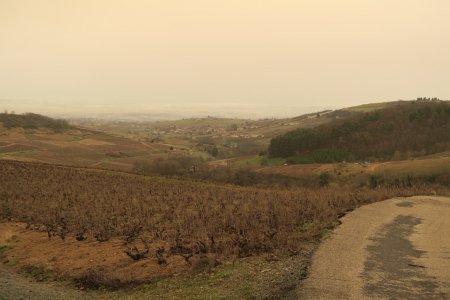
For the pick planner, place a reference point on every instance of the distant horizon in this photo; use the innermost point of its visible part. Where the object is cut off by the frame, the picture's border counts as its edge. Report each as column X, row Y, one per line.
column 176, row 112
column 171, row 112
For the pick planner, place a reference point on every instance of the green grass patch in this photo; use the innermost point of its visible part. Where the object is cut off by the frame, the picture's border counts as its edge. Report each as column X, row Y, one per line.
column 38, row 273
column 200, row 154
column 225, row 282
column 107, row 159
column 253, row 161
column 257, row 161
column 307, row 226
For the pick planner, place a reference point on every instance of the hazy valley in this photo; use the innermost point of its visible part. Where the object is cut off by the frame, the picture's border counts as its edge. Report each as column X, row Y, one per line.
column 203, row 206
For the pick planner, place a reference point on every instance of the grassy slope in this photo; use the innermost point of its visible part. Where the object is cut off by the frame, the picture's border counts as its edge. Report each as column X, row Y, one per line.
column 373, row 106
column 84, row 148
column 355, row 174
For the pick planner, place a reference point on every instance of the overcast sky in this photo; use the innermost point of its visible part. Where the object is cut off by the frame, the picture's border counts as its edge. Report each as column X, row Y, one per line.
column 142, row 55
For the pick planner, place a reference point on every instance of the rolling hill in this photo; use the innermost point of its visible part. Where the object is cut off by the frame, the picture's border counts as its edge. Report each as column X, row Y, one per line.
column 32, row 121
column 395, row 132
column 35, row 138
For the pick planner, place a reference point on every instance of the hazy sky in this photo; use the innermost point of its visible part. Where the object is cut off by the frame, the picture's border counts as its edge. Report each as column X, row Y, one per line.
column 138, row 56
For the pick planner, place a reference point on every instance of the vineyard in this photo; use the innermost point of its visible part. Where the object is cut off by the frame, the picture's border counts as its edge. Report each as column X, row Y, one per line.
column 187, row 218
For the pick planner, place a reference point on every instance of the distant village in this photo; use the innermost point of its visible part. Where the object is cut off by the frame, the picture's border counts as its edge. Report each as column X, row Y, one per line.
column 234, row 131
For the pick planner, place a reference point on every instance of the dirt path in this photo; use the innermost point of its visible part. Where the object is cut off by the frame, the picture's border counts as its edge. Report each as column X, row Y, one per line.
column 395, row 249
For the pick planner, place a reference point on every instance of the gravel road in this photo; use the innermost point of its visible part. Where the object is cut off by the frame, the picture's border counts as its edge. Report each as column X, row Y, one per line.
column 395, row 249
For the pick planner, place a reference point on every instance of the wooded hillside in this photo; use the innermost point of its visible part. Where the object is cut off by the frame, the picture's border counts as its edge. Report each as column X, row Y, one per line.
column 399, row 132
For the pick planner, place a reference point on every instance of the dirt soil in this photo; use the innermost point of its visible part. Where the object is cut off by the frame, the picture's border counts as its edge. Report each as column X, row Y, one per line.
column 71, row 258
column 32, row 266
